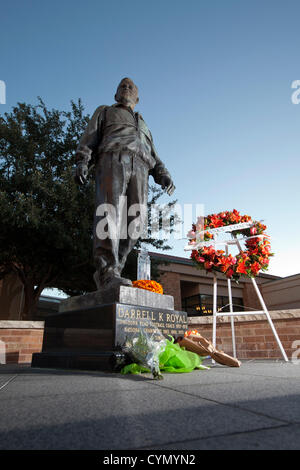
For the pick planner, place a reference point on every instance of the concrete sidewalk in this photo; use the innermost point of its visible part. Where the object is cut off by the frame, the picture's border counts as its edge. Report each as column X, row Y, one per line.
column 256, row 406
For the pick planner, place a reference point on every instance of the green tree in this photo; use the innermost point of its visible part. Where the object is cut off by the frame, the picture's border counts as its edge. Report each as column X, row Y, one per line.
column 151, row 241
column 45, row 235
column 46, row 218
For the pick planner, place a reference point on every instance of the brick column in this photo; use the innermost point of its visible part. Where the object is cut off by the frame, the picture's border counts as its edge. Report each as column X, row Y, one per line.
column 19, row 340
column 250, row 298
column 171, row 285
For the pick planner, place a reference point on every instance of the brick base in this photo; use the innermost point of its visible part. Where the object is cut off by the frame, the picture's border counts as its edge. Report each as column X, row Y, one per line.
column 253, row 335
column 19, row 340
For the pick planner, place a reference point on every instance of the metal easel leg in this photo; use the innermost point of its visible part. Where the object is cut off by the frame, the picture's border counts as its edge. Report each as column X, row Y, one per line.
column 231, row 318
column 269, row 319
column 231, row 311
column 214, row 312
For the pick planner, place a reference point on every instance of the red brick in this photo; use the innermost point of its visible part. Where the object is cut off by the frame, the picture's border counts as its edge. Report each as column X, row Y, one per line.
column 253, row 339
column 247, row 346
column 262, row 331
column 16, row 332
column 11, row 339
column 258, row 354
column 274, row 353
column 29, row 351
column 5, row 332
column 286, row 330
column 30, row 346
column 25, row 358
column 246, row 331
column 28, row 339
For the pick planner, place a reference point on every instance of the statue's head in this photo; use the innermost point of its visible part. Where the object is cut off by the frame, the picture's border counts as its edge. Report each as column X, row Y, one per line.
column 127, row 93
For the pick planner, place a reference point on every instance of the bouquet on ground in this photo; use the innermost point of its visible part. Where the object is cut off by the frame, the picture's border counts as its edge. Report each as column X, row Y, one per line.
column 149, row 351
column 195, row 342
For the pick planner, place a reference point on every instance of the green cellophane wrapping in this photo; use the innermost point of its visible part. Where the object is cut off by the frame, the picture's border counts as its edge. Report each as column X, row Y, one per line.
column 172, row 359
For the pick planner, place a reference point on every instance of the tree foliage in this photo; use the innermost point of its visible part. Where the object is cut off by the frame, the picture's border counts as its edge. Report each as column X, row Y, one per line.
column 45, row 235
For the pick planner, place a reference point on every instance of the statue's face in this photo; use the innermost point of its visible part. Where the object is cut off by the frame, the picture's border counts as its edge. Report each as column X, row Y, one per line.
column 127, row 93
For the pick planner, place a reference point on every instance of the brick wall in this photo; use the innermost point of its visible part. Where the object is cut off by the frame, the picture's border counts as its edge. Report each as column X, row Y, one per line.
column 171, row 285
column 19, row 340
column 250, row 298
column 254, row 337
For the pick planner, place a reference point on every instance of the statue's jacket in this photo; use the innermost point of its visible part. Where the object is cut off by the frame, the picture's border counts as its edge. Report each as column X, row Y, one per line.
column 118, row 129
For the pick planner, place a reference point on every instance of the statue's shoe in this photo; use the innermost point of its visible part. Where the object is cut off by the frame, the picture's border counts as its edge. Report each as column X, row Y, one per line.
column 110, row 279
column 113, row 280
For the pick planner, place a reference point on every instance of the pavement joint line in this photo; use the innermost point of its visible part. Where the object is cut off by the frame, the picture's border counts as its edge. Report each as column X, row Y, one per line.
column 216, row 436
column 230, row 405
column 268, row 377
column 84, row 392
column 271, row 377
column 8, row 381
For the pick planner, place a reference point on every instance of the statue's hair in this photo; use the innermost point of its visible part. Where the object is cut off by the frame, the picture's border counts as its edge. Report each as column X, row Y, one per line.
column 128, row 78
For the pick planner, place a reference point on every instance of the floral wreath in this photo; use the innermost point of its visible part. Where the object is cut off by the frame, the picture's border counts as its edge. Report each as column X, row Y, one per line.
column 248, row 262
column 148, row 285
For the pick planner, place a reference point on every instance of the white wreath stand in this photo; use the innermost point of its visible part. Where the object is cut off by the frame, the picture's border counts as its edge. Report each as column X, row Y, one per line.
column 231, row 313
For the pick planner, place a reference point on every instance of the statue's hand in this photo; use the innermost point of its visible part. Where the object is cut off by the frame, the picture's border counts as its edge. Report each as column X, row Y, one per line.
column 81, row 173
column 167, row 184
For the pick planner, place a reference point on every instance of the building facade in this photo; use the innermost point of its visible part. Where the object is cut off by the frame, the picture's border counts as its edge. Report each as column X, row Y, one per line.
column 191, row 288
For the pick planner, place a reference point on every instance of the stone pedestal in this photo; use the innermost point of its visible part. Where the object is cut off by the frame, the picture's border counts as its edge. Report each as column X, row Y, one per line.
column 89, row 333
column 121, row 294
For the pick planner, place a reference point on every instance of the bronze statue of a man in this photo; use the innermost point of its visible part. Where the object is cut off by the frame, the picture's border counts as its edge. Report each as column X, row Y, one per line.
column 119, row 142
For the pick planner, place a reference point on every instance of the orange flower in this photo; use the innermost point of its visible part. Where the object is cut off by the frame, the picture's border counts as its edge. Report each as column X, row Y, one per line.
column 208, row 250
column 255, row 267
column 230, row 273
column 241, row 268
column 191, row 332
column 226, row 262
column 216, row 222
column 265, row 250
column 153, row 286
column 248, row 262
column 208, row 236
column 208, row 265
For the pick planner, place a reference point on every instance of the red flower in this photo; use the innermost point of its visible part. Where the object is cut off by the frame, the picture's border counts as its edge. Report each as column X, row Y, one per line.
column 208, row 265
column 208, row 251
column 265, row 250
column 216, row 222
column 255, row 267
column 208, row 236
column 241, row 268
column 229, row 273
column 248, row 262
column 263, row 261
column 252, row 241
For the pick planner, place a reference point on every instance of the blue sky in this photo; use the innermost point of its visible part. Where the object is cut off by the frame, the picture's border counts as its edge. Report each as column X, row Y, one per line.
column 215, row 89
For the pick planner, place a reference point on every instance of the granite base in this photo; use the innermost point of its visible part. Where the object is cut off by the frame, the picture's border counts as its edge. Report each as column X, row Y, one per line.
column 120, row 294
column 92, row 338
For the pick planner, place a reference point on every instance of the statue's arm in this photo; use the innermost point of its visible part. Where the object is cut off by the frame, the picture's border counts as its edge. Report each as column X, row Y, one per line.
column 90, row 138
column 160, row 173
column 88, row 144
